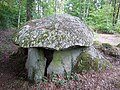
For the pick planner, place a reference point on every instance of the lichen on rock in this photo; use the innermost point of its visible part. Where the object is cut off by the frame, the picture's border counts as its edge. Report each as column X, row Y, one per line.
column 91, row 59
column 57, row 32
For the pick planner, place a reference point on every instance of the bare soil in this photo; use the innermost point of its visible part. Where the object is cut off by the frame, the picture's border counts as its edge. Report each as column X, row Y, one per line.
column 113, row 39
column 13, row 79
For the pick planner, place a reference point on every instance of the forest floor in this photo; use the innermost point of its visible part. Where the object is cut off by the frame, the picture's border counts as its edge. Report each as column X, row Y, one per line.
column 113, row 39
column 11, row 79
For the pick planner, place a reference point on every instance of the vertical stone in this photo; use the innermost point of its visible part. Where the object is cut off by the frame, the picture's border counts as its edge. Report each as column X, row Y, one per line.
column 64, row 60
column 35, row 64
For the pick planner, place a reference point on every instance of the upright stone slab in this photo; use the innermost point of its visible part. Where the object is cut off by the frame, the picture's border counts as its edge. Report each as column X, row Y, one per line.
column 64, row 60
column 35, row 64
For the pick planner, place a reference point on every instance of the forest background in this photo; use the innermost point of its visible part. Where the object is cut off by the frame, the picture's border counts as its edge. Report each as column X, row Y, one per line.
column 100, row 15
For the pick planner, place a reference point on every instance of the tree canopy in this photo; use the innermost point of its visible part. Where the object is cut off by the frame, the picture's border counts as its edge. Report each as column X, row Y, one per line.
column 100, row 15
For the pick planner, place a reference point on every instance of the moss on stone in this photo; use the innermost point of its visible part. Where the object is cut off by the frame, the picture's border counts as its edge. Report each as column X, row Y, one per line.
column 97, row 44
column 110, row 50
column 87, row 62
column 117, row 84
column 57, row 59
column 106, row 45
column 118, row 45
column 95, row 64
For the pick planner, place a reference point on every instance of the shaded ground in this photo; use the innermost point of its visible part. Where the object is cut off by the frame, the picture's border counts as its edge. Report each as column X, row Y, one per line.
column 107, row 80
column 8, row 78
column 13, row 79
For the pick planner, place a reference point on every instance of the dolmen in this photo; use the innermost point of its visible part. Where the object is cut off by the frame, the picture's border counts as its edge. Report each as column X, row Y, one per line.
column 61, row 44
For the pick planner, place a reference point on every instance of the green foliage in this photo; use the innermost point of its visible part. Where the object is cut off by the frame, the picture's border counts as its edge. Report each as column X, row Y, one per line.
column 102, row 19
column 78, row 8
column 43, row 8
column 99, row 19
column 117, row 27
column 8, row 16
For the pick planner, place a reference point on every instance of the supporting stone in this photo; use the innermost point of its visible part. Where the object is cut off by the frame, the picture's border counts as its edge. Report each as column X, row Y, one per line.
column 64, row 60
column 91, row 59
column 35, row 64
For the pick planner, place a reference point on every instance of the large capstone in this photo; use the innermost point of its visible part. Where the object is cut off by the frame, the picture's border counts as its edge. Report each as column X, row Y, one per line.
column 57, row 32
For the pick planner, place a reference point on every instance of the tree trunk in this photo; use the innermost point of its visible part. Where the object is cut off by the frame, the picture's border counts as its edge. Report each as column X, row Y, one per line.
column 84, row 9
column 29, row 8
column 88, row 7
column 20, row 4
column 114, row 13
column 117, row 13
column 55, row 6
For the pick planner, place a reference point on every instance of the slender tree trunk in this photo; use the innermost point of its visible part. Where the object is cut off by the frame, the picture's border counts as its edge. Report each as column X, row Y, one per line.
column 43, row 9
column 109, row 1
column 38, row 8
column 55, row 6
column 88, row 7
column 41, row 14
column 114, row 13
column 84, row 9
column 49, row 6
column 62, row 6
column 80, row 9
column 29, row 8
column 20, row 4
column 117, row 13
